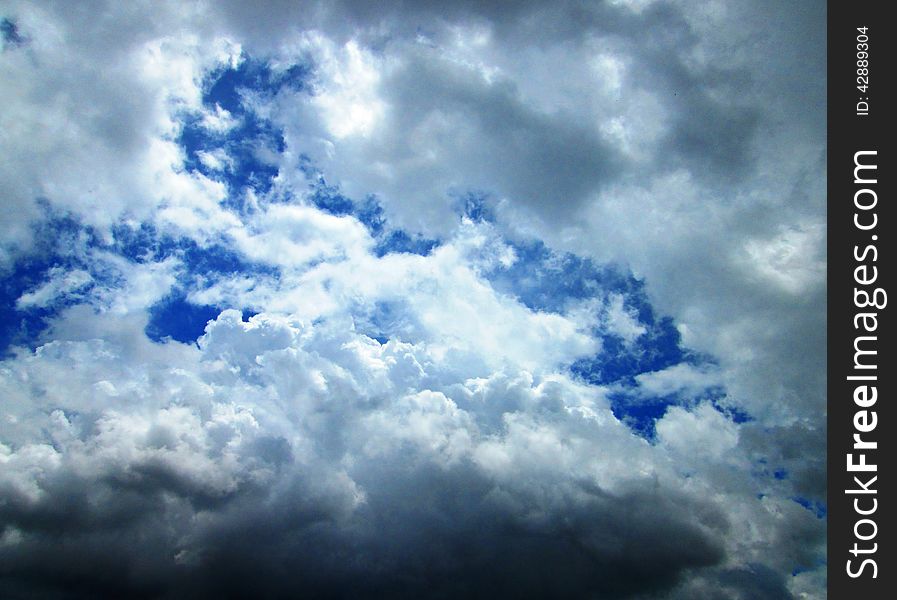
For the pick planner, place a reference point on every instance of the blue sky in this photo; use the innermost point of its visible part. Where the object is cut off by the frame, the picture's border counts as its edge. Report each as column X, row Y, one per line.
column 421, row 300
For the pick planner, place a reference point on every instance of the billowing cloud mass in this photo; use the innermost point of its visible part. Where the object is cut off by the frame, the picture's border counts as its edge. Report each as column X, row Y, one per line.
column 413, row 300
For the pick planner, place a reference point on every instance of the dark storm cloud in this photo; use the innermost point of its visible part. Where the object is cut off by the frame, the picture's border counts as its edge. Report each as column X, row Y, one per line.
column 199, row 500
column 425, row 532
column 751, row 582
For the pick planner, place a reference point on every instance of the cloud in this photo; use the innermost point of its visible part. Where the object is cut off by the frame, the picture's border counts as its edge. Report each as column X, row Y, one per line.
column 60, row 283
column 324, row 429
column 471, row 300
column 678, row 379
column 90, row 121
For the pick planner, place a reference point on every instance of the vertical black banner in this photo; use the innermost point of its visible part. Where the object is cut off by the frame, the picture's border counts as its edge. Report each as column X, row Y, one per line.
column 862, row 437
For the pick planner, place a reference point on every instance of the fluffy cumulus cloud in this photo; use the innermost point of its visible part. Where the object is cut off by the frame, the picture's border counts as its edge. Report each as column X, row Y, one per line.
column 405, row 299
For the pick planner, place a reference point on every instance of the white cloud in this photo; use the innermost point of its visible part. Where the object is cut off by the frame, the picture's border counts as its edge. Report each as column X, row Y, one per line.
column 621, row 321
column 216, row 160
column 219, row 120
column 293, row 236
column 681, row 378
column 704, row 431
column 90, row 120
column 793, row 260
column 60, row 283
column 347, row 96
column 260, row 405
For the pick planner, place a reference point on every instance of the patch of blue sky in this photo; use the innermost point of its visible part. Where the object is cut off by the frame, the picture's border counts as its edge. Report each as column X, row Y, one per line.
column 62, row 245
column 631, row 406
column 548, row 281
column 641, row 413
column 733, row 413
column 369, row 212
column 139, row 244
column 475, row 206
column 329, row 199
column 244, row 147
column 144, row 244
column 175, row 316
column 227, row 86
column 59, row 245
column 619, row 361
column 399, row 241
column 243, row 143
column 22, row 326
column 9, row 33
column 243, row 153
column 820, row 509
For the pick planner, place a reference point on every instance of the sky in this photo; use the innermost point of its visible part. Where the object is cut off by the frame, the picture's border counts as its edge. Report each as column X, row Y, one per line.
column 413, row 299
